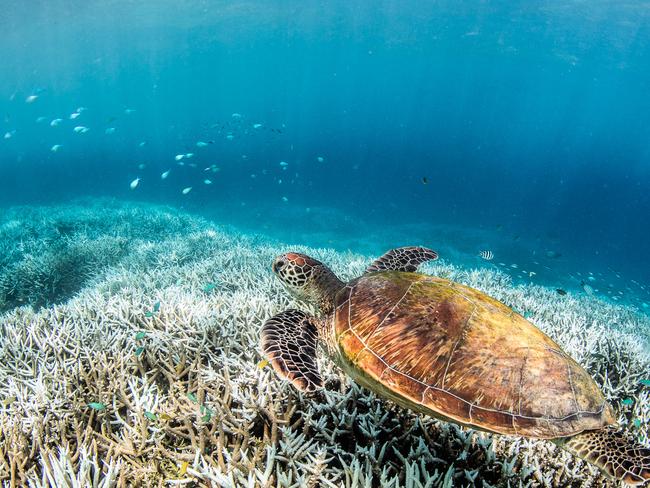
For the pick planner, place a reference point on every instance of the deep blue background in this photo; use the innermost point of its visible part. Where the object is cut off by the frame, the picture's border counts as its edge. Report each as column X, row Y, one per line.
column 530, row 120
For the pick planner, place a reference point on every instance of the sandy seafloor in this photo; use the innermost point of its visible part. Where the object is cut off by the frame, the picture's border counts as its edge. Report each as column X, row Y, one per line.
column 129, row 357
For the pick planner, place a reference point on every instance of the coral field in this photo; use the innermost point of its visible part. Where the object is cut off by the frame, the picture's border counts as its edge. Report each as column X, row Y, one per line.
column 129, row 357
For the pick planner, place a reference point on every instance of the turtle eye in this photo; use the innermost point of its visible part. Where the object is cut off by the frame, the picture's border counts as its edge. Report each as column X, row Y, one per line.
column 278, row 265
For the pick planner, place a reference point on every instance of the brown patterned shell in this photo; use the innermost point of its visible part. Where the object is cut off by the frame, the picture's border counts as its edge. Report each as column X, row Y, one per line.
column 450, row 351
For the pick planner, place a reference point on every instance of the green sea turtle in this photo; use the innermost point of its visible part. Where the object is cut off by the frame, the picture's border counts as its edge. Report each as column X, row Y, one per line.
column 448, row 351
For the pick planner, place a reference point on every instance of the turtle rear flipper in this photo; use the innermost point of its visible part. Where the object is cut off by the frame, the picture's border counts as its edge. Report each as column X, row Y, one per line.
column 614, row 452
column 403, row 259
column 288, row 341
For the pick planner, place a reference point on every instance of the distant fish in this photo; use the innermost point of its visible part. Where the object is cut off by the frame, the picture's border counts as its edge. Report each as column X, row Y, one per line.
column 81, row 109
column 201, row 144
column 320, row 159
column 134, row 184
column 129, row 111
column 425, row 181
column 257, row 126
column 142, row 166
column 164, row 175
column 553, row 254
column 56, row 148
column 284, row 164
column 110, row 130
column 74, row 115
column 207, row 182
column 56, row 122
column 178, row 157
column 186, row 190
column 189, row 155
column 142, row 144
column 236, row 116
column 487, row 255
column 230, row 137
column 587, row 289
column 9, row 134
column 41, row 119
column 285, row 199
column 31, row 99
column 80, row 129
column 560, row 291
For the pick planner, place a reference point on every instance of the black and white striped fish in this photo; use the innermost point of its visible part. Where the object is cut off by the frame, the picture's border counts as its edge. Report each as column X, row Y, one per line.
column 487, row 255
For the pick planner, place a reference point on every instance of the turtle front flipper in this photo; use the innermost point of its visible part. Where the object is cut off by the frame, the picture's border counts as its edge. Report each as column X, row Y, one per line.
column 403, row 259
column 613, row 452
column 288, row 341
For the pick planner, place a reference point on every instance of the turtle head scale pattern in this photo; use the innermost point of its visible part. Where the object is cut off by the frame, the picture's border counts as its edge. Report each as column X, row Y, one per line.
column 308, row 279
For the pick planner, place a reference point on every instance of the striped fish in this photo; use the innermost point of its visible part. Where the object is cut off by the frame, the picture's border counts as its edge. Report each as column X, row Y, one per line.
column 487, row 255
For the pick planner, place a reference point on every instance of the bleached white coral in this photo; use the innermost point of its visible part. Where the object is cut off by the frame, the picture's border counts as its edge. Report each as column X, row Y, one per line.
column 148, row 372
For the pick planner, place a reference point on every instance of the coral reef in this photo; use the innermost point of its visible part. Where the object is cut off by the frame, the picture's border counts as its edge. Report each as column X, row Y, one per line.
column 129, row 356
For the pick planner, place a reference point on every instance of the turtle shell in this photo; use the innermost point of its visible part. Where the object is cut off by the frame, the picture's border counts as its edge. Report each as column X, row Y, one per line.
column 452, row 352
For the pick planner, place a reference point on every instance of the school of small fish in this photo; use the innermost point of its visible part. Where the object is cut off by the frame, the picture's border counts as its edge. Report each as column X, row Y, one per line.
column 235, row 128
column 83, row 122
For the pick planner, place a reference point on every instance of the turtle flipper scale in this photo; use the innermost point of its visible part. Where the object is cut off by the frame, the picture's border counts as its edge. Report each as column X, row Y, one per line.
column 288, row 341
column 403, row 259
column 616, row 454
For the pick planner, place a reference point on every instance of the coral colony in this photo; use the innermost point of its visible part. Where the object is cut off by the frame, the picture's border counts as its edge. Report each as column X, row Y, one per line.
column 129, row 356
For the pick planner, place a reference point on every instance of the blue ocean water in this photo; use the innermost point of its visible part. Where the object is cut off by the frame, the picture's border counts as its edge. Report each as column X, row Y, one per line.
column 517, row 127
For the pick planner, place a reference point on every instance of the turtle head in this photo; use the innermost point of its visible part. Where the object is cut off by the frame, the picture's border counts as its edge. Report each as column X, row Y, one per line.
column 307, row 278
